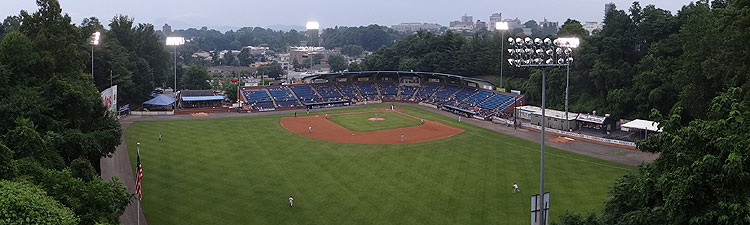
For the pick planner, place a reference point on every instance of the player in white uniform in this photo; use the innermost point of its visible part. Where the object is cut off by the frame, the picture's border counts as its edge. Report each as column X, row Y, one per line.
column 291, row 202
column 309, row 129
column 515, row 188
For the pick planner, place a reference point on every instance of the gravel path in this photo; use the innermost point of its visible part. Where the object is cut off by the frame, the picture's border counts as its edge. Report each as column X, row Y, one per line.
column 119, row 164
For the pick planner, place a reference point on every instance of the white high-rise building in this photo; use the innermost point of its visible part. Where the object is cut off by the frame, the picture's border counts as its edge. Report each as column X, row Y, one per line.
column 494, row 18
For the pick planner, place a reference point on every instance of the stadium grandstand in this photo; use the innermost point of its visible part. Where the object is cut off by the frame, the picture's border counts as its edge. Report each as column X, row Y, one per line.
column 461, row 95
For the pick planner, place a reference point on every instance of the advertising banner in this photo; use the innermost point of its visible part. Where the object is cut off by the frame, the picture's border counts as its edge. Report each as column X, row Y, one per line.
column 109, row 99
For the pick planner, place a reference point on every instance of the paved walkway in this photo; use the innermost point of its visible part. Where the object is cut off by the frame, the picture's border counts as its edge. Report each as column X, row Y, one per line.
column 119, row 164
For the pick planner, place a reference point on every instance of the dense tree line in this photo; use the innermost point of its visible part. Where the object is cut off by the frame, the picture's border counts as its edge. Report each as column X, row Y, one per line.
column 129, row 56
column 370, row 37
column 53, row 126
column 642, row 59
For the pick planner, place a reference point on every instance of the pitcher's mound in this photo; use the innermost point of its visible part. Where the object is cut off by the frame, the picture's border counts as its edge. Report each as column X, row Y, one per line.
column 376, row 119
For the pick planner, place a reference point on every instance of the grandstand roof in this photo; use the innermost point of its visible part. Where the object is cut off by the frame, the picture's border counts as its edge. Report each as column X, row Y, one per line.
column 161, row 100
column 400, row 72
column 642, row 125
column 548, row 112
column 202, row 98
column 191, row 93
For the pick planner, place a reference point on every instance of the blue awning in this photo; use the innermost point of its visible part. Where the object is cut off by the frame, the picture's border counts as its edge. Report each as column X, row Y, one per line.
column 161, row 100
column 202, row 98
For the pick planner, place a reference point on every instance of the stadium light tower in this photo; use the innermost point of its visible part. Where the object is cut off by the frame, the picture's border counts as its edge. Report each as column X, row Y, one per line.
column 571, row 42
column 541, row 53
column 502, row 27
column 95, row 37
column 175, row 41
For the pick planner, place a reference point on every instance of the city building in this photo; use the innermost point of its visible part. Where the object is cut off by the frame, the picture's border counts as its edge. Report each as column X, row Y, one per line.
column 166, row 29
column 256, row 50
column 300, row 53
column 592, row 26
column 549, row 27
column 466, row 24
column 513, row 23
column 479, row 25
column 414, row 27
column 494, row 18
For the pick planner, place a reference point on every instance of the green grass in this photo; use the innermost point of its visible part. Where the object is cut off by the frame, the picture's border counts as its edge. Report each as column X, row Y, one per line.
column 242, row 170
column 360, row 122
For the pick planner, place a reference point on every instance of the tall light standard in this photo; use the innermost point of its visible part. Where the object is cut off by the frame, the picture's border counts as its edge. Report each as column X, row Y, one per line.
column 502, row 27
column 540, row 53
column 175, row 41
column 94, row 41
column 571, row 42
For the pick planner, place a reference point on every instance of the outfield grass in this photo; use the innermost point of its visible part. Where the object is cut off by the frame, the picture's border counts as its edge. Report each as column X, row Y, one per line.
column 360, row 122
column 242, row 170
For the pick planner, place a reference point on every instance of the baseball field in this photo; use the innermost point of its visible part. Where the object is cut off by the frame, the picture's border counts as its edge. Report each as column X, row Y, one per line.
column 242, row 171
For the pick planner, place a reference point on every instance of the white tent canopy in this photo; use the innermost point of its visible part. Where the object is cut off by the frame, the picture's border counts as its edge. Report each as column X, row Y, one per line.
column 642, row 125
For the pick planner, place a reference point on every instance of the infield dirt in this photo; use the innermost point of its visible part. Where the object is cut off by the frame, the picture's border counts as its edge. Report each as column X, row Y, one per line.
column 327, row 130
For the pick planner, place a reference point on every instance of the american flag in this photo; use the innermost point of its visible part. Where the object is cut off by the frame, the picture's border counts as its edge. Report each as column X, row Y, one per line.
column 139, row 175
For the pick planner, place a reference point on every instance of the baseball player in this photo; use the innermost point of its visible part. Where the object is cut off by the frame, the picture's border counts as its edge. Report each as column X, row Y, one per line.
column 515, row 188
column 160, row 135
column 291, row 202
column 309, row 129
column 402, row 137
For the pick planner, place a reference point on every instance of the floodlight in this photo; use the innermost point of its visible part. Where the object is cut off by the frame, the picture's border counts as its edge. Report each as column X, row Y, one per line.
column 528, row 40
column 570, row 60
column 519, row 41
column 312, row 25
column 174, row 41
column 510, row 61
column 511, row 51
column 537, row 41
column 510, row 40
column 501, row 25
column 95, row 38
column 547, row 41
column 570, row 42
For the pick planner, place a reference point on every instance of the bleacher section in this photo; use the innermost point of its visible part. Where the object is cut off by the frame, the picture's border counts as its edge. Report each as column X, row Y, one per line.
column 349, row 90
column 388, row 90
column 369, row 91
column 425, row 92
column 494, row 101
column 478, row 97
column 444, row 94
column 328, row 92
column 305, row 94
column 283, row 97
column 464, row 93
column 406, row 92
column 469, row 101
column 258, row 99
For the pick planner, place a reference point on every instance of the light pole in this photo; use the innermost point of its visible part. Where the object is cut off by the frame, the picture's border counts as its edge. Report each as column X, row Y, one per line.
column 502, row 27
column 541, row 53
column 138, row 212
column 175, row 41
column 571, row 43
column 94, row 41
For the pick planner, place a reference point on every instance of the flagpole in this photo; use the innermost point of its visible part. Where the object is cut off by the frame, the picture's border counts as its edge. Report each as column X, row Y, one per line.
column 138, row 153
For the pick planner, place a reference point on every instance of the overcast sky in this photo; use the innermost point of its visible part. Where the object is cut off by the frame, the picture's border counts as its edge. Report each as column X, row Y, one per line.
column 222, row 14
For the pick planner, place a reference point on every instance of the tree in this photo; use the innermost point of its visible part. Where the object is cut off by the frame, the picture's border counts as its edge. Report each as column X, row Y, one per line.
column 230, row 89
column 352, row 50
column 355, row 67
column 195, row 78
column 338, row 63
column 244, row 58
column 572, row 28
column 700, row 177
column 22, row 203
column 229, row 59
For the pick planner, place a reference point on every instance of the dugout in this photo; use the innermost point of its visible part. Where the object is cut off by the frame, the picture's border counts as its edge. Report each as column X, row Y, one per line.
column 601, row 124
column 555, row 119
column 641, row 127
column 199, row 99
